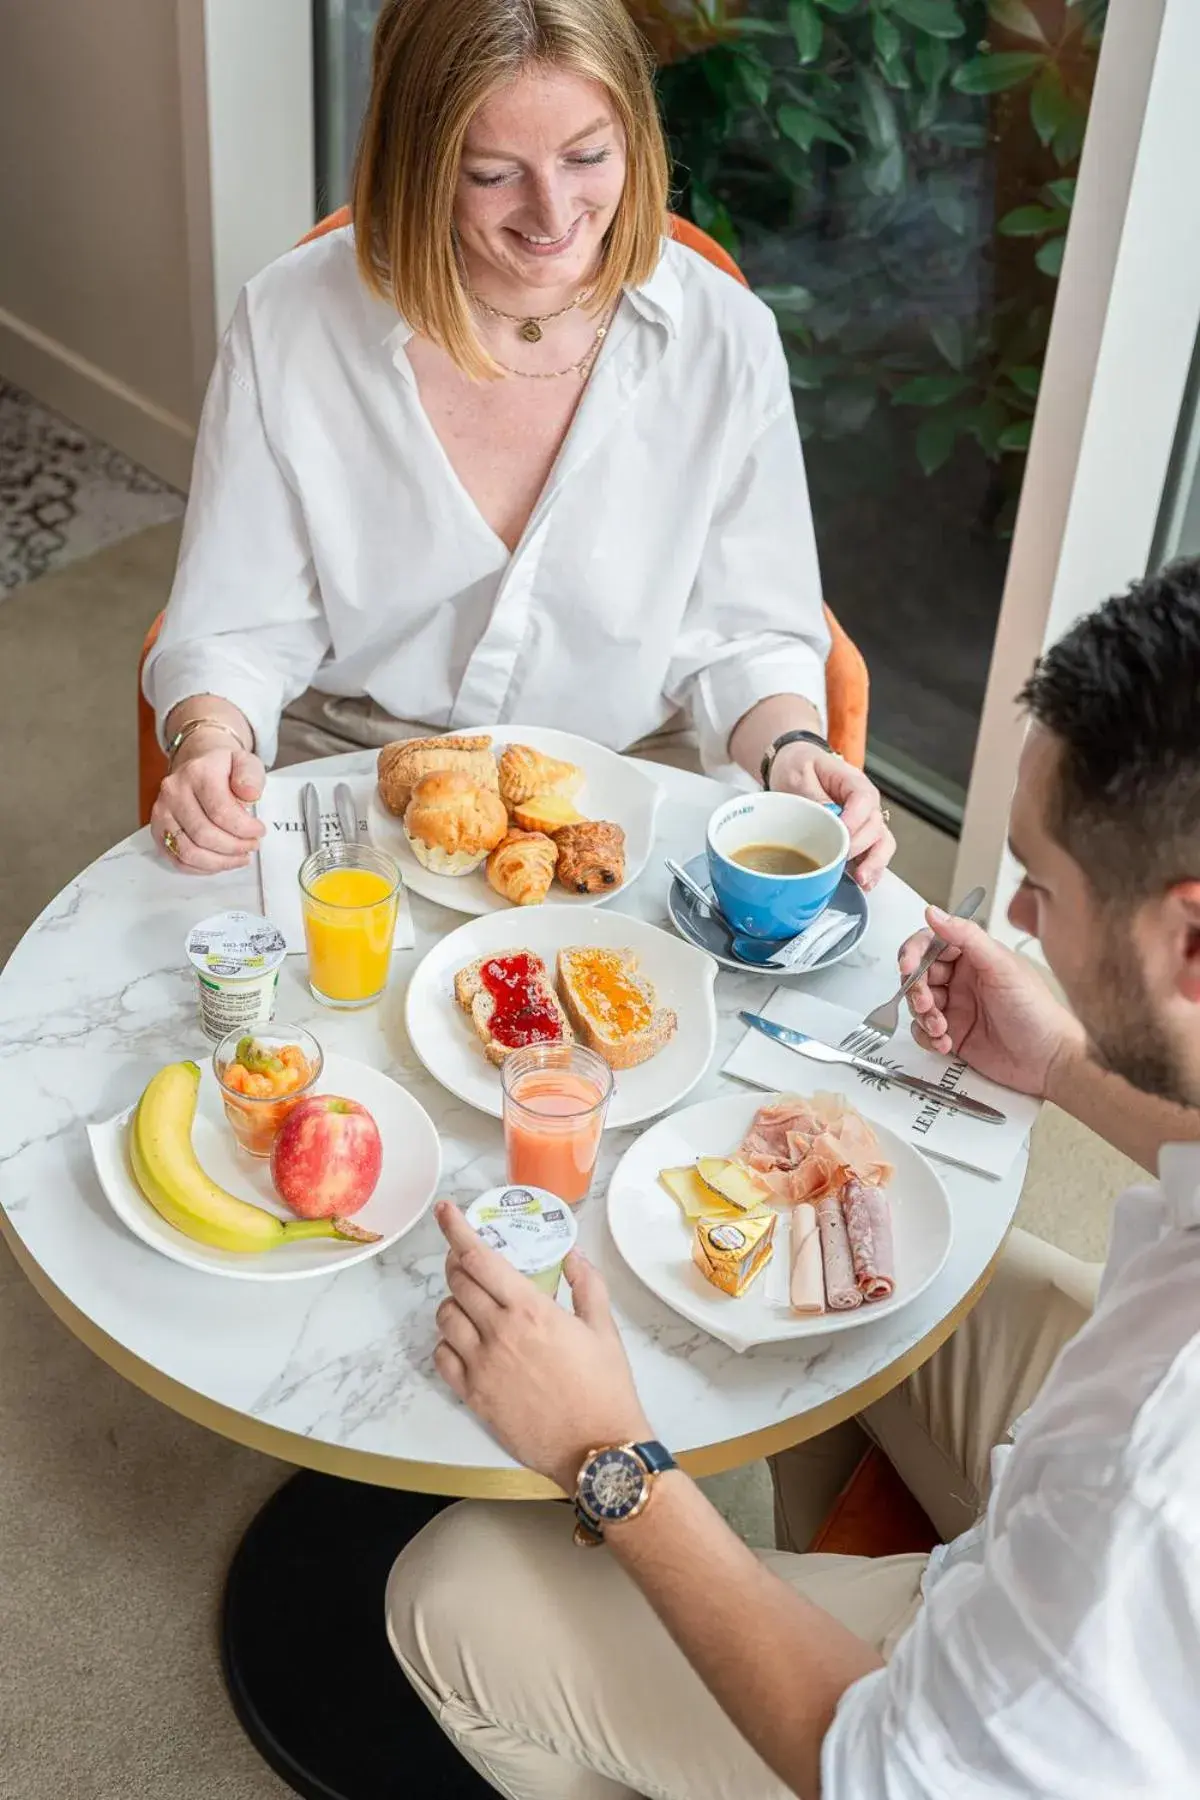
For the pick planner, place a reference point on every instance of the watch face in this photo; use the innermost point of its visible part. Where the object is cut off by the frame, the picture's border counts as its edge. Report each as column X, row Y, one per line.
column 612, row 1484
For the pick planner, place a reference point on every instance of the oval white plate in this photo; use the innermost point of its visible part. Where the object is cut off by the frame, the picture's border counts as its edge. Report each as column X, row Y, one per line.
column 615, row 789
column 412, row 1163
column 656, row 1240
column 444, row 1039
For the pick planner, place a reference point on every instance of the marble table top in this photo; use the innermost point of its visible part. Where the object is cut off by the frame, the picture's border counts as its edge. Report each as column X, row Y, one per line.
column 336, row 1373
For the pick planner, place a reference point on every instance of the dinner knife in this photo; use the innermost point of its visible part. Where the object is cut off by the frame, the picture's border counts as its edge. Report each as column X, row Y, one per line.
column 310, row 812
column 347, row 812
column 913, row 1084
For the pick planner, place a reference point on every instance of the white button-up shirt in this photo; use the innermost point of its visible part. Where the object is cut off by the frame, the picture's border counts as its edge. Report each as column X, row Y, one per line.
column 669, row 564
column 1057, row 1655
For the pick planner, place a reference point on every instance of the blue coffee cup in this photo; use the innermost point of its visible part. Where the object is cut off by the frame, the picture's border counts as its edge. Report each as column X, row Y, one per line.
column 775, row 906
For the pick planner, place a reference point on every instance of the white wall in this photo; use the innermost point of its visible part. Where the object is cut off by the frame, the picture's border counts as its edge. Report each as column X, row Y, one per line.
column 154, row 154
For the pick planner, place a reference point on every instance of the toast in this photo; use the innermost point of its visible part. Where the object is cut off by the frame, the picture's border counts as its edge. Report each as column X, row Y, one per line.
column 511, row 1003
column 613, row 1009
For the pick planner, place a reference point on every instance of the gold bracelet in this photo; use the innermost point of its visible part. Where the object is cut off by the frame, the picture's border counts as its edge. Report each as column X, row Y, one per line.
column 185, row 731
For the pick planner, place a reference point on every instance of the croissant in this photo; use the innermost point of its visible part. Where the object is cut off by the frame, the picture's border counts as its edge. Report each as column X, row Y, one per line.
column 591, row 856
column 525, row 772
column 521, row 867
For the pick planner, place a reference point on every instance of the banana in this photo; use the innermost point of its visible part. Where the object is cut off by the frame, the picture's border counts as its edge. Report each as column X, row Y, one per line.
column 166, row 1169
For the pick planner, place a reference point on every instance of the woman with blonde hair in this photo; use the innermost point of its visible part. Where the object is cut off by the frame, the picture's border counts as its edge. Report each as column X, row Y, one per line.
column 500, row 451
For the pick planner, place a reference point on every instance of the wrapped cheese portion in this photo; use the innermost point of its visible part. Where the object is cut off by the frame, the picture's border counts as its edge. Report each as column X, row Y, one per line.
column 869, row 1230
column 730, row 1254
column 807, row 1284
column 841, row 1288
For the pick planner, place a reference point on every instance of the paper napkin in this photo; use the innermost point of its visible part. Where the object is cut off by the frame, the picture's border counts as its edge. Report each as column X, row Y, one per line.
column 989, row 1149
column 284, row 847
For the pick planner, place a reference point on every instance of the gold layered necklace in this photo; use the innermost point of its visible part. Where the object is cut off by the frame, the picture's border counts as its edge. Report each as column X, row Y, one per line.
column 582, row 367
column 530, row 327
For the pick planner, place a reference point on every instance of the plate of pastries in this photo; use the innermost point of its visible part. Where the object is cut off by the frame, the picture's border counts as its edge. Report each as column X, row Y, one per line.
column 482, row 821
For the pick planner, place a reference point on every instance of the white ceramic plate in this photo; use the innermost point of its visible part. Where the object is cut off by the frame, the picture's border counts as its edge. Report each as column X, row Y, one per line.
column 615, row 789
column 412, row 1161
column 656, row 1240
column 443, row 1037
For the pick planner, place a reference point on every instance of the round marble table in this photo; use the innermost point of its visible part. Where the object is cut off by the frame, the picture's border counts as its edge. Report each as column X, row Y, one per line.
column 336, row 1374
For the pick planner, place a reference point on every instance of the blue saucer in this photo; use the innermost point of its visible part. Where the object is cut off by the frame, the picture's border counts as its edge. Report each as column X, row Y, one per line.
column 712, row 936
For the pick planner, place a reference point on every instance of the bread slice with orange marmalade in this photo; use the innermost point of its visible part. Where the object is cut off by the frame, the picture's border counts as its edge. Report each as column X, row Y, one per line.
column 614, row 1010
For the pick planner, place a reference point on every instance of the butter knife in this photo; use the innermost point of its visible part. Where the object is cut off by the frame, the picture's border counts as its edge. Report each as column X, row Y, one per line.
column 913, row 1084
column 310, row 812
column 347, row 812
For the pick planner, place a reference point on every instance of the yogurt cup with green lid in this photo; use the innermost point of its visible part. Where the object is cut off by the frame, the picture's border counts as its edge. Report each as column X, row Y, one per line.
column 533, row 1230
column 237, row 957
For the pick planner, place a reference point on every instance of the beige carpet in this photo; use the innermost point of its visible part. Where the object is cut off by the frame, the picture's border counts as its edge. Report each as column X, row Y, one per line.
column 117, row 1518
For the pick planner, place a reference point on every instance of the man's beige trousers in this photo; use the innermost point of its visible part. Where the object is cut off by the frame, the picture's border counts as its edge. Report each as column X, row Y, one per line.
column 551, row 1674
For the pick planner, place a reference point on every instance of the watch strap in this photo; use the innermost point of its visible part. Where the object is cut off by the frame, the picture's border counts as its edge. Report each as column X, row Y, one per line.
column 656, row 1456
column 782, row 742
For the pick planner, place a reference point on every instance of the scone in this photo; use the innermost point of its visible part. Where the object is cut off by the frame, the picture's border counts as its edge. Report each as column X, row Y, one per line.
column 591, row 857
column 453, row 822
column 525, row 772
column 404, row 763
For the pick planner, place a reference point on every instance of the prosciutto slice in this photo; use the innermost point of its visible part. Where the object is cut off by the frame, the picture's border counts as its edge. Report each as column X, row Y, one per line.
column 868, row 1218
column 841, row 1289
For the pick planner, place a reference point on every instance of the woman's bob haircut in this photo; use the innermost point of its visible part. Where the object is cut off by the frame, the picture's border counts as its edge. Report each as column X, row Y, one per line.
column 435, row 62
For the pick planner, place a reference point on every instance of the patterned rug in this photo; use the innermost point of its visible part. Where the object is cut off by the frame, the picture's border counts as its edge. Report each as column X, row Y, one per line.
column 64, row 494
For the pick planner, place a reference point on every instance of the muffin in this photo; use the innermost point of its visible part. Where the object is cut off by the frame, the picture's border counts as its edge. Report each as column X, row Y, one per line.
column 453, row 822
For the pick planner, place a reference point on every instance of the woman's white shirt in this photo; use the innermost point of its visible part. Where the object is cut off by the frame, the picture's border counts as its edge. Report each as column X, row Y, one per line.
column 669, row 564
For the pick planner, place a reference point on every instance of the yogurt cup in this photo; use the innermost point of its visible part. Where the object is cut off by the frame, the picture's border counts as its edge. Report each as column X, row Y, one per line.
column 237, row 957
column 532, row 1229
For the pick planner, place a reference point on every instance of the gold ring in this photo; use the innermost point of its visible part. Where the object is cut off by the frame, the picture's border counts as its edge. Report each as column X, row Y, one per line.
column 171, row 844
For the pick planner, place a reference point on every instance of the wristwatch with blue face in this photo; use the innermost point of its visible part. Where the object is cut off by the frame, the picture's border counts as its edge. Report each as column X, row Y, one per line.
column 615, row 1484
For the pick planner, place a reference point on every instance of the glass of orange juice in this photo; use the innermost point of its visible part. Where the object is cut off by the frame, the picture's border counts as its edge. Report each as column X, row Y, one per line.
column 555, row 1099
column 349, row 894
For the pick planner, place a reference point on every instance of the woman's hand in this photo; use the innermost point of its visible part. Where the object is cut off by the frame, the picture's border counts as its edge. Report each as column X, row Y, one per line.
column 980, row 1001
column 820, row 775
column 549, row 1385
column 202, row 803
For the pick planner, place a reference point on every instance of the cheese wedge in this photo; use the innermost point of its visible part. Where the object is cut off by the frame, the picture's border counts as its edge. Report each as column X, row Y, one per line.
column 696, row 1199
column 732, row 1253
column 733, row 1181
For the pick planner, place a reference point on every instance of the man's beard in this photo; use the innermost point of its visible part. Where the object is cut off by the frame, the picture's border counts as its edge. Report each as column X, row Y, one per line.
column 1123, row 1033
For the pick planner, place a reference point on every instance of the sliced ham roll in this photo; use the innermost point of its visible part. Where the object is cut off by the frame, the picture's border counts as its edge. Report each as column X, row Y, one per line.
column 807, row 1289
column 869, row 1229
column 841, row 1288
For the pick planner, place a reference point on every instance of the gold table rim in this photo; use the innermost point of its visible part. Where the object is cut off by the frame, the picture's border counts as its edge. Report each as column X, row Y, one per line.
column 464, row 1481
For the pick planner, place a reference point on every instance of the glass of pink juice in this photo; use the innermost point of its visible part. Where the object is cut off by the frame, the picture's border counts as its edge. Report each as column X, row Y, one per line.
column 555, row 1099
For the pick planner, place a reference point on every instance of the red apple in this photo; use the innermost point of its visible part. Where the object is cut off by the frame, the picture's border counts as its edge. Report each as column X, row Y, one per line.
column 326, row 1159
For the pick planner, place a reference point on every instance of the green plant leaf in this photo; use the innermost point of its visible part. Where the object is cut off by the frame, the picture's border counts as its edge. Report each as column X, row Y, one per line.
column 1025, row 378
column 960, row 135
column 804, row 126
column 1068, row 139
column 1063, row 190
column 807, row 29
column 952, row 211
column 998, row 70
column 947, row 334
column 1015, row 16
column 878, row 111
column 939, row 18
column 1049, row 107
column 755, row 75
column 933, row 60
column 1031, row 221
column 807, row 372
column 758, row 28
column 935, row 441
column 838, row 6
column 930, row 390
column 884, row 177
column 848, row 409
column 886, row 34
column 789, row 297
column 1016, row 437
column 1049, row 258
column 712, row 215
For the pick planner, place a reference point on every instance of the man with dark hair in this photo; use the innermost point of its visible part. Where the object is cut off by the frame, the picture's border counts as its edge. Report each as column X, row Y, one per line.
column 1052, row 1649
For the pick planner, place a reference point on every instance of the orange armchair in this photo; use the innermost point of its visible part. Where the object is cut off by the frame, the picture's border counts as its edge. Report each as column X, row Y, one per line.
column 846, row 684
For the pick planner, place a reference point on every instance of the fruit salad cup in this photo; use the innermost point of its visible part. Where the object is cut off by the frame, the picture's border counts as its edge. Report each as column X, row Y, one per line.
column 262, row 1077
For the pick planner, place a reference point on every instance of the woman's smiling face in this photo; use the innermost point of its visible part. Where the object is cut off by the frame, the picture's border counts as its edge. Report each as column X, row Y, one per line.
column 542, row 171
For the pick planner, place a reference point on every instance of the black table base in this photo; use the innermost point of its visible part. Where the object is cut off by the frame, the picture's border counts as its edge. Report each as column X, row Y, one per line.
column 306, row 1657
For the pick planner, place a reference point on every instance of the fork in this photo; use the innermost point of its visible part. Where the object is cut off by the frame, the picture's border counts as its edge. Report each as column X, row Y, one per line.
column 879, row 1027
